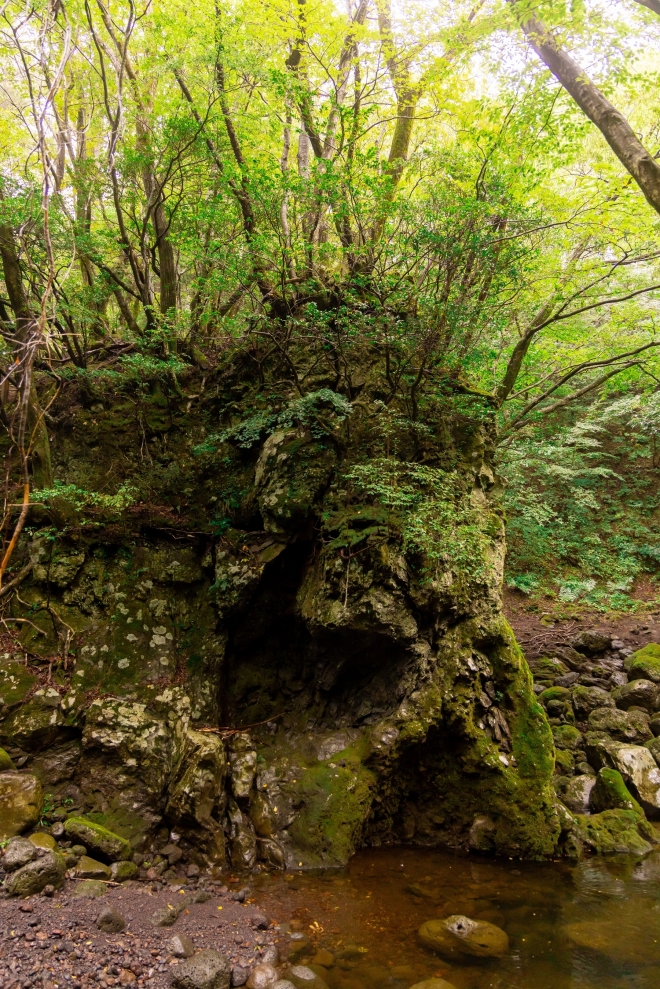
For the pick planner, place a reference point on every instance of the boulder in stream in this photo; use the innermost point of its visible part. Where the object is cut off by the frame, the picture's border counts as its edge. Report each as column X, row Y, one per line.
column 457, row 935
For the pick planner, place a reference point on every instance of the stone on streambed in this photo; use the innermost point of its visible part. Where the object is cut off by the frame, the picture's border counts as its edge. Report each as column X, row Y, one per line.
column 637, row 693
column 433, row 984
column 620, row 942
column 181, row 946
column 635, row 763
column 107, row 845
column 304, row 978
column 616, row 832
column 624, row 726
column 205, row 970
column 262, row 976
column 458, row 935
column 110, row 921
column 46, row 870
column 21, row 802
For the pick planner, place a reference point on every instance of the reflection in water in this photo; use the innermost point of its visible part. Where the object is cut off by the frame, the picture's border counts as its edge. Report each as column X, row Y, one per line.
column 595, row 925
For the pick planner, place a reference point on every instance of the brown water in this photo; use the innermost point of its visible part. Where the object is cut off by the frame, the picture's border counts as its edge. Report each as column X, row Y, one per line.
column 594, row 925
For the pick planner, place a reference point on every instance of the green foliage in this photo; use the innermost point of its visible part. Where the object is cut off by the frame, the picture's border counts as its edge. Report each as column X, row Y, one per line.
column 433, row 513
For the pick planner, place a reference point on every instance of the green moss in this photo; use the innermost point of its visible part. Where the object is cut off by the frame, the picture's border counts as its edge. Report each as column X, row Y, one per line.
column 645, row 663
column 615, row 831
column 5, row 762
column 566, row 737
column 554, row 694
column 335, row 805
column 611, row 793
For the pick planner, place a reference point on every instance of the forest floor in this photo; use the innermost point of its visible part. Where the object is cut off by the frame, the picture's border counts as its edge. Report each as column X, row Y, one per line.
column 538, row 630
column 54, row 942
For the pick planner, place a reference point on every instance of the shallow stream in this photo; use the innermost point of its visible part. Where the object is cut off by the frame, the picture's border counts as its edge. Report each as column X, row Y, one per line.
column 594, row 925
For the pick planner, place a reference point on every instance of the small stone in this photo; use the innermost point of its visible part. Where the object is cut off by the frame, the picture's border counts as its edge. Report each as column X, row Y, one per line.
column 323, row 957
column 270, row 955
column 618, row 679
column 126, row 977
column 261, row 976
column 457, row 936
column 57, row 830
column 121, row 871
column 618, row 644
column 181, row 946
column 304, row 977
column 566, row 737
column 78, row 850
column 18, row 853
column 239, row 975
column 42, row 840
column 283, row 984
column 585, row 769
column 259, row 920
column 193, row 871
column 205, row 970
column 433, row 984
column 48, row 890
column 89, row 868
column 567, row 680
column 110, row 921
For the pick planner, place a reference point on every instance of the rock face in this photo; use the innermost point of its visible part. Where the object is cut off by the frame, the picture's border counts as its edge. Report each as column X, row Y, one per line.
column 21, row 802
column 458, row 936
column 361, row 636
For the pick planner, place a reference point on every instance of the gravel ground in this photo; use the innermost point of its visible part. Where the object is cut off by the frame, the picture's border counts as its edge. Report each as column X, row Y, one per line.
column 50, row 942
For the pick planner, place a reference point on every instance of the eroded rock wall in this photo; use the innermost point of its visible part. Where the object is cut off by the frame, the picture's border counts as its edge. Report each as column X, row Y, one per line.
column 359, row 640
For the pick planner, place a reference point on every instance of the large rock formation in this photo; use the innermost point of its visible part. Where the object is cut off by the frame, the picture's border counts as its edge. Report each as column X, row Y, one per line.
column 326, row 572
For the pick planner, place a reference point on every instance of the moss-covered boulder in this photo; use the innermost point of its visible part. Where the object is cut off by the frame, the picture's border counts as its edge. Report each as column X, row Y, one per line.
column 624, row 726
column 6, row 763
column 637, row 693
column 111, row 847
column 588, row 699
column 21, row 803
column 644, row 664
column 611, row 793
column 46, row 870
column 616, row 832
column 554, row 694
column 458, row 936
column 566, row 737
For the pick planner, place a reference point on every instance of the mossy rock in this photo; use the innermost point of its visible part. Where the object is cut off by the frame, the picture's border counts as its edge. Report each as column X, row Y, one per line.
column 616, row 832
column 49, row 870
column 554, row 694
column 109, row 846
column 624, row 726
column 564, row 762
column 566, row 737
column 611, row 793
column 6, row 763
column 645, row 663
column 547, row 668
column 21, row 803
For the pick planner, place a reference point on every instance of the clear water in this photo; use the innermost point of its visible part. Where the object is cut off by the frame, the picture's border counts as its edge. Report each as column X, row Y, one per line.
column 594, row 925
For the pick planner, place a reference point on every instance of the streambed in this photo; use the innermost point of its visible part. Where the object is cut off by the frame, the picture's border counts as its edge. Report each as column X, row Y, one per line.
column 591, row 925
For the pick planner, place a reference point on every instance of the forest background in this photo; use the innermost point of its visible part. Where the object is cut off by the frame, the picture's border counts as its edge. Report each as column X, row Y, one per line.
column 446, row 181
